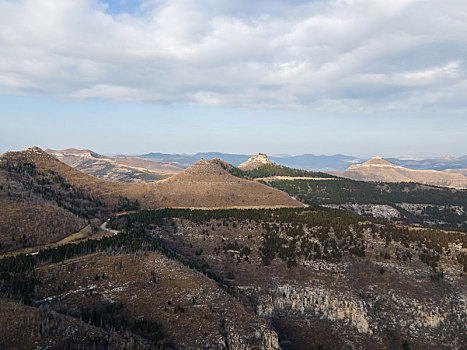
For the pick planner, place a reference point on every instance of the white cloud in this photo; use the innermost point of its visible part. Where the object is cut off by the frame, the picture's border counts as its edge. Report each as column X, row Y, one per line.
column 323, row 55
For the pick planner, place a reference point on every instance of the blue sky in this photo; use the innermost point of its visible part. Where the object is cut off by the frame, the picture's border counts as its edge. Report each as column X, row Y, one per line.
column 358, row 77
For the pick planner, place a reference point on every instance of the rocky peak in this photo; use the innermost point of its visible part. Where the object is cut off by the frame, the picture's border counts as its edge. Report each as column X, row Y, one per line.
column 255, row 162
column 35, row 149
column 207, row 167
column 378, row 162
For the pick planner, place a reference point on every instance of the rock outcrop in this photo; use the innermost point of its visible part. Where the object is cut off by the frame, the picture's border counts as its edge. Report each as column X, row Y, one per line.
column 379, row 211
column 322, row 302
column 255, row 162
column 371, row 312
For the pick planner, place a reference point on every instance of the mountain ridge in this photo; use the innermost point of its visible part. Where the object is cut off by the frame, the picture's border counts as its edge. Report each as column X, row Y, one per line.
column 311, row 162
column 381, row 170
column 119, row 168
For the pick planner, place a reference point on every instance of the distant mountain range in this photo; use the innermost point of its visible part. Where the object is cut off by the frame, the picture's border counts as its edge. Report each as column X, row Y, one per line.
column 443, row 163
column 337, row 162
column 168, row 164
column 185, row 160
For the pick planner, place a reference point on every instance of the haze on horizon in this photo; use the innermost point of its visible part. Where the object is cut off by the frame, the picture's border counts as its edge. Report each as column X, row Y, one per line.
column 355, row 77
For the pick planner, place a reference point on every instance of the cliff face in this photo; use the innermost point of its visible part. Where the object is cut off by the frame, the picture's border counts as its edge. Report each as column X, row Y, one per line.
column 380, row 296
column 261, row 338
column 320, row 302
column 373, row 312
column 255, row 162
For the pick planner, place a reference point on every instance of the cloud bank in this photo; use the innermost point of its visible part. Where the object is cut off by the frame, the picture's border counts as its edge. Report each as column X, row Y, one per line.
column 335, row 55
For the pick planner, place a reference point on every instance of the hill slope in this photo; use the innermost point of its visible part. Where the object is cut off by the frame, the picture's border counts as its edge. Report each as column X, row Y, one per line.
column 407, row 202
column 261, row 168
column 121, row 168
column 379, row 169
column 207, row 183
column 43, row 200
column 456, row 171
column 325, row 279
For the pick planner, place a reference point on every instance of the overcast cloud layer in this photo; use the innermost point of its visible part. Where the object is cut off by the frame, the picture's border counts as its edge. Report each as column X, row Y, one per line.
column 337, row 55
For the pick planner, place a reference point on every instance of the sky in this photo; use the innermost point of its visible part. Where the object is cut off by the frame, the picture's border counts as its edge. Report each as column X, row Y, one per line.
column 356, row 77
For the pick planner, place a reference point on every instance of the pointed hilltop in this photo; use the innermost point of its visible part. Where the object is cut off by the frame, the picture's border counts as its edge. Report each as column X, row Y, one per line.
column 377, row 161
column 208, row 184
column 255, row 162
column 381, row 170
column 205, row 167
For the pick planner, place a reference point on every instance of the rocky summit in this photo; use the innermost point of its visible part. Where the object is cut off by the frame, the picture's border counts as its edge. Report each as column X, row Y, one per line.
column 255, row 162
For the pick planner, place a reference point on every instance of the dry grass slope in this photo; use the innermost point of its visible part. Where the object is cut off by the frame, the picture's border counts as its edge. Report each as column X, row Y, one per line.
column 207, row 184
column 44, row 200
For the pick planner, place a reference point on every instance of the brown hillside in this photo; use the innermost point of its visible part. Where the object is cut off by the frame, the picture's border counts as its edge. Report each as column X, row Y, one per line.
column 123, row 169
column 27, row 327
column 141, row 163
column 204, row 184
column 43, row 200
column 381, row 170
column 191, row 309
column 207, row 184
column 63, row 178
